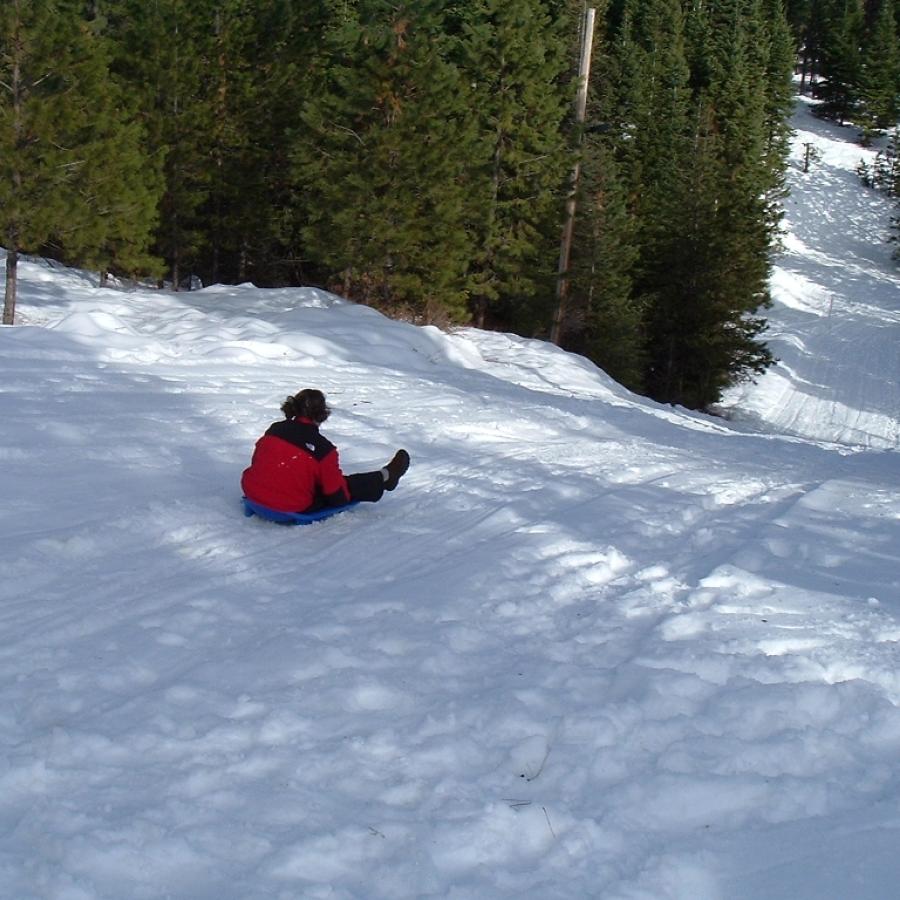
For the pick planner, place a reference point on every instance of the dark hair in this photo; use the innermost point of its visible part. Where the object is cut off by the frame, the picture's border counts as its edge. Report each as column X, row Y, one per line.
column 308, row 404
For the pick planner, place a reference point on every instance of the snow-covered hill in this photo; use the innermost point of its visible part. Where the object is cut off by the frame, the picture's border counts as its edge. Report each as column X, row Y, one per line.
column 591, row 647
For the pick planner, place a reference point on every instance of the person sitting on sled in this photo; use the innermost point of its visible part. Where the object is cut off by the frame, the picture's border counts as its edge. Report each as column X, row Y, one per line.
column 296, row 469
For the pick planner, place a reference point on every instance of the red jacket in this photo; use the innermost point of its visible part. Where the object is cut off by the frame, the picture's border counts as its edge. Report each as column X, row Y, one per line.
column 295, row 469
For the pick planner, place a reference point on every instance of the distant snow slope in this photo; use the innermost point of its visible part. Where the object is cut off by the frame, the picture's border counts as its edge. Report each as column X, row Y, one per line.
column 835, row 325
column 591, row 647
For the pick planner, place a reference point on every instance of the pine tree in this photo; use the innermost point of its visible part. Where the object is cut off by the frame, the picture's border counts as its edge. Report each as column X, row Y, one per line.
column 656, row 155
column 52, row 76
column 744, row 102
column 778, row 47
column 513, row 54
column 120, row 199
column 605, row 319
column 707, row 236
column 218, row 84
column 233, row 166
column 888, row 174
column 813, row 37
column 285, row 65
column 262, row 55
column 298, row 46
column 879, row 79
column 839, row 58
column 798, row 14
column 165, row 53
column 120, row 186
column 382, row 158
column 703, row 326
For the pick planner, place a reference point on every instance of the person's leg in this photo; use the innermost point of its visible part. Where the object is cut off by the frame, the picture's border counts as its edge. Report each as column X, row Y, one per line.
column 365, row 486
column 370, row 486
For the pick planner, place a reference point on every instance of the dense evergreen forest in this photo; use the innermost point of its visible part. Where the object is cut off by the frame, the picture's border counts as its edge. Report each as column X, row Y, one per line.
column 417, row 155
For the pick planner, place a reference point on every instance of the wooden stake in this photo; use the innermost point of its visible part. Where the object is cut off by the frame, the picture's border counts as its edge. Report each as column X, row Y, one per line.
column 565, row 250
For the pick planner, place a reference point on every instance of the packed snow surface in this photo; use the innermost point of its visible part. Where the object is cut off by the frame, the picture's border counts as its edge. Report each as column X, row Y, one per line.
column 591, row 646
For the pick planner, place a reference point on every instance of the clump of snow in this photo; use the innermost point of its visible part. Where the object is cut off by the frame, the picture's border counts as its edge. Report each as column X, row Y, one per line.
column 591, row 646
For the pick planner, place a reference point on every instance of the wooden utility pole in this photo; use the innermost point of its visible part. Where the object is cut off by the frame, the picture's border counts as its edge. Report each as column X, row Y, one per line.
column 17, row 91
column 565, row 250
column 9, row 296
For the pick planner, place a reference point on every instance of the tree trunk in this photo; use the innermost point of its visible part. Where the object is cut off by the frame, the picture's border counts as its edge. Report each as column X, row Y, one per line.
column 243, row 263
column 480, row 306
column 9, row 300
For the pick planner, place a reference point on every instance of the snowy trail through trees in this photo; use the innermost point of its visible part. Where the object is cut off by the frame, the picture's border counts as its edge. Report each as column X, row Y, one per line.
column 835, row 290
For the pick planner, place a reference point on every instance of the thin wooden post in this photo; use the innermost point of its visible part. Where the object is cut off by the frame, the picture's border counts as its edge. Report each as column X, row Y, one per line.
column 565, row 250
column 9, row 298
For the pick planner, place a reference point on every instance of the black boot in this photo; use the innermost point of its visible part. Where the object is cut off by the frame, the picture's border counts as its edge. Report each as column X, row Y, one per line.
column 396, row 469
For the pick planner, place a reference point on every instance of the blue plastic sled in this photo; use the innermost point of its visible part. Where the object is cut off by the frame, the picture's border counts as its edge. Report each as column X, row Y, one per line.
column 285, row 518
